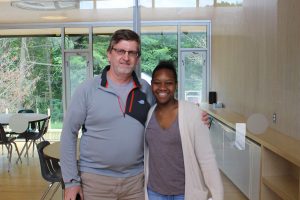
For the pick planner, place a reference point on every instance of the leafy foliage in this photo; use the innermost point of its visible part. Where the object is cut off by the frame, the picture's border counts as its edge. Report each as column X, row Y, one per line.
column 156, row 47
column 15, row 84
column 100, row 43
column 31, row 74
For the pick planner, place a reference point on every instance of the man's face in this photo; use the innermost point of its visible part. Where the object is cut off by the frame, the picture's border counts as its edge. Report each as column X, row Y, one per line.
column 123, row 58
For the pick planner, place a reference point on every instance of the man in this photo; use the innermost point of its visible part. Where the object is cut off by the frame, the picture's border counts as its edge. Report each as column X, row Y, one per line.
column 112, row 110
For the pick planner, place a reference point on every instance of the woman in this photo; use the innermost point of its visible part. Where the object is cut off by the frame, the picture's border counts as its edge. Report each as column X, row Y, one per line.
column 179, row 159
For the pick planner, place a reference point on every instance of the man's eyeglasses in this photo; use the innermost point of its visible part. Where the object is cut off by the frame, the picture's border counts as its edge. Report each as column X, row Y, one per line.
column 122, row 52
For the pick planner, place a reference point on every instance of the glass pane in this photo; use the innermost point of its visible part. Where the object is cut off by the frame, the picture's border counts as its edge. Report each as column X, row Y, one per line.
column 175, row 3
column 114, row 4
column 173, row 10
column 78, row 70
column 76, row 38
column 206, row 3
column 146, row 3
column 194, row 64
column 193, row 37
column 100, row 44
column 114, row 11
column 31, row 75
column 158, row 43
column 86, row 5
column 229, row 3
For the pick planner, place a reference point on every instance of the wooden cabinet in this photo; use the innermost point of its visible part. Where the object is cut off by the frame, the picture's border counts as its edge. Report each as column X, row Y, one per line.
column 217, row 141
column 278, row 178
column 237, row 162
column 280, row 166
column 256, row 171
column 241, row 166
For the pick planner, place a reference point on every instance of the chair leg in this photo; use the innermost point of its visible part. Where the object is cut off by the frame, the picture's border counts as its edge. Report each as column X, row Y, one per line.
column 30, row 143
column 57, row 186
column 19, row 156
column 23, row 148
column 46, row 191
column 26, row 148
column 9, row 147
column 33, row 143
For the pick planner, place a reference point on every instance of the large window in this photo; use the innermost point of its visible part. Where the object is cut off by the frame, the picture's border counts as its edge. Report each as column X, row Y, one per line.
column 194, row 62
column 41, row 73
column 42, row 64
column 188, row 47
column 158, row 43
column 31, row 75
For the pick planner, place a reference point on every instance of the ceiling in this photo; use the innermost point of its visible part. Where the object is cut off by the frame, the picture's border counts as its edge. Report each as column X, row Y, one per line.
column 15, row 21
column 103, row 11
column 10, row 15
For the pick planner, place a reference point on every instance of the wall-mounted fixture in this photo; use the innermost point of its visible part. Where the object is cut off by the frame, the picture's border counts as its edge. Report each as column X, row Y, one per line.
column 274, row 118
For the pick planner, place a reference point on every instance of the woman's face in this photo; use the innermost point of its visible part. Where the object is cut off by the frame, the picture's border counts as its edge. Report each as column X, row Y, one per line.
column 164, row 86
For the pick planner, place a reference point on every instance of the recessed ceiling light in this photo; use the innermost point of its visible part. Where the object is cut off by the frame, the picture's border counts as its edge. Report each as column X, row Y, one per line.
column 54, row 17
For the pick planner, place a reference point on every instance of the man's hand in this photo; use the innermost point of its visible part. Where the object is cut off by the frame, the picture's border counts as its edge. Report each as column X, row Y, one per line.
column 71, row 192
column 205, row 118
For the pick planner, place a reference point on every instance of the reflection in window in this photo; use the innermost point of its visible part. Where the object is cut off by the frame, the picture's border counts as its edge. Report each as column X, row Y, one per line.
column 206, row 3
column 76, row 41
column 114, row 4
column 229, row 3
column 146, row 3
column 193, row 37
column 84, row 5
column 175, row 3
column 76, row 38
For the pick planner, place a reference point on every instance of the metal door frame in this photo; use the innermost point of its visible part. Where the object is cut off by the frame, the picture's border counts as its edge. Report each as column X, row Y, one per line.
column 66, row 76
column 89, row 70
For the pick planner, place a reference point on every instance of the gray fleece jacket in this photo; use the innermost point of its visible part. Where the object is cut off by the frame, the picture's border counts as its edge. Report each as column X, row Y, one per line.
column 112, row 140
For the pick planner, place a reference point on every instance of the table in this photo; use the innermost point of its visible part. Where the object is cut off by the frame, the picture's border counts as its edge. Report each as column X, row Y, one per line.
column 20, row 125
column 31, row 117
column 53, row 150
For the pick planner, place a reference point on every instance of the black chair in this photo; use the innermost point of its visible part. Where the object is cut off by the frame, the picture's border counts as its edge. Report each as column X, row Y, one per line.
column 32, row 136
column 32, row 125
column 8, row 141
column 50, row 170
column 31, row 129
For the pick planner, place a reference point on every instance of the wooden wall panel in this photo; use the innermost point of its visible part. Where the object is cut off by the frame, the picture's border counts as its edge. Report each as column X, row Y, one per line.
column 256, row 60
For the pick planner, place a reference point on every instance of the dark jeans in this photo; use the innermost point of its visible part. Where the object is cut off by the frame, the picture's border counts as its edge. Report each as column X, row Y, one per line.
column 156, row 196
